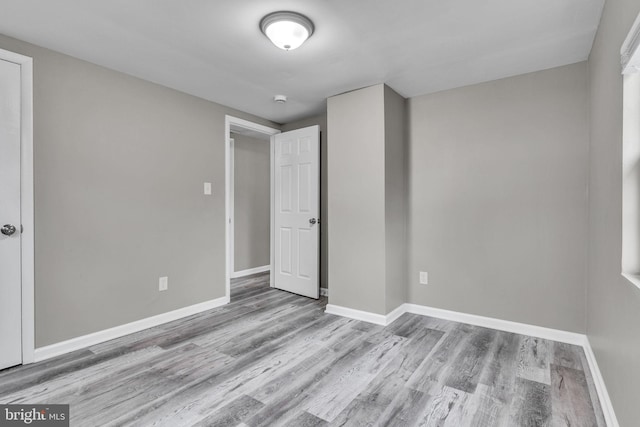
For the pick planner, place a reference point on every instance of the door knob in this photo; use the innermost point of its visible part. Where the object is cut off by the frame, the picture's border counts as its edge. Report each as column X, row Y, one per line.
column 8, row 229
column 312, row 221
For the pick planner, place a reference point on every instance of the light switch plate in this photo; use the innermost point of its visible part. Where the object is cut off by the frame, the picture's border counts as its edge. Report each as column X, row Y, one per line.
column 163, row 284
column 207, row 188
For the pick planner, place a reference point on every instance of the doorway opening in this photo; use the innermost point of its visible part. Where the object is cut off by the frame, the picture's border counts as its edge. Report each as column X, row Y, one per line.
column 294, row 205
column 246, row 146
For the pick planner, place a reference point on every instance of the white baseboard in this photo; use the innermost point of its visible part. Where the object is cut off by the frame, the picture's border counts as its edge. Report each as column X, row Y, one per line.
column 351, row 313
column 498, row 324
column 487, row 322
column 365, row 316
column 324, row 292
column 399, row 311
column 603, row 394
column 250, row 271
column 84, row 341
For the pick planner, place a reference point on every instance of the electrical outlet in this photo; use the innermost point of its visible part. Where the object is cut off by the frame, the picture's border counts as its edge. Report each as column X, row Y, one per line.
column 424, row 278
column 207, row 188
column 163, row 284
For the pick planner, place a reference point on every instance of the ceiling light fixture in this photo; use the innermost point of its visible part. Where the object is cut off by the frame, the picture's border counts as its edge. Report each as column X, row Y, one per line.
column 287, row 30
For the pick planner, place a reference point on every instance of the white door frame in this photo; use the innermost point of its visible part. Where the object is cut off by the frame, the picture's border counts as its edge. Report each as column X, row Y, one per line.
column 26, row 201
column 231, row 219
column 245, row 124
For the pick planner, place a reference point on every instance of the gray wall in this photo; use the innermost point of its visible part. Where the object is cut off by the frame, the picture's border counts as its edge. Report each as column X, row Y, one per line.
column 368, row 198
column 395, row 171
column 252, row 202
column 119, row 171
column 498, row 198
column 356, row 200
column 321, row 121
column 613, row 319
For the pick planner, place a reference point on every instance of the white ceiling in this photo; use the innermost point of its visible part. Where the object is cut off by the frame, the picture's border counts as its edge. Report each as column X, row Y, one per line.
column 214, row 49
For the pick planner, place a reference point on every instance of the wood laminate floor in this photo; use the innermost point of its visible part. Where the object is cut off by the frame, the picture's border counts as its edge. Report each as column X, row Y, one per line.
column 272, row 358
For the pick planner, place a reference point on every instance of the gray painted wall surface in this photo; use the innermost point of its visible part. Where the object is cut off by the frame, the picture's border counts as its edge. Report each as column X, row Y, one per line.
column 368, row 198
column 613, row 310
column 395, row 171
column 321, row 121
column 356, row 200
column 252, row 204
column 498, row 198
column 119, row 171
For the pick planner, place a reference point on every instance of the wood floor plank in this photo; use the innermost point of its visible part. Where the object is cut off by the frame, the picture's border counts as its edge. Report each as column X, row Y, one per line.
column 531, row 404
column 369, row 405
column 332, row 394
column 501, row 367
column 439, row 324
column 305, row 419
column 406, row 325
column 485, row 409
column 273, row 331
column 166, row 336
column 570, row 401
column 288, row 384
column 593, row 394
column 208, row 394
column 469, row 362
column 233, row 413
column 567, row 355
column 444, row 409
column 534, row 360
column 150, row 384
column 295, row 388
column 229, row 333
column 405, row 410
column 62, row 387
column 437, row 366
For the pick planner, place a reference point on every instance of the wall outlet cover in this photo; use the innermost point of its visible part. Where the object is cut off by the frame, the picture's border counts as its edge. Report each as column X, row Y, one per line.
column 163, row 284
column 207, row 188
column 424, row 278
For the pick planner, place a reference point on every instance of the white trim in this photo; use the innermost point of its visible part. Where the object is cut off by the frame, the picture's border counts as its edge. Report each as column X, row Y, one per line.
column 272, row 212
column 232, row 206
column 84, row 341
column 250, row 271
column 227, row 207
column 601, row 388
column 399, row 311
column 26, row 202
column 351, row 313
column 498, row 324
column 365, row 316
column 324, row 292
column 629, row 58
column 228, row 122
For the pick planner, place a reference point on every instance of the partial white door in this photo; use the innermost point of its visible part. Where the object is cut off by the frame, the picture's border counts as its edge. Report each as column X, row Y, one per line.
column 296, row 208
column 10, row 248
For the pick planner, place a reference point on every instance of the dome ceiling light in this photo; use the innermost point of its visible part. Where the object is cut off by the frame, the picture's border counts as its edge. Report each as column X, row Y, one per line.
column 287, row 30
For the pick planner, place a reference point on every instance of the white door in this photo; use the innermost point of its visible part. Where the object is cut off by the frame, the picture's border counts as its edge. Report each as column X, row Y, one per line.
column 10, row 280
column 296, row 208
